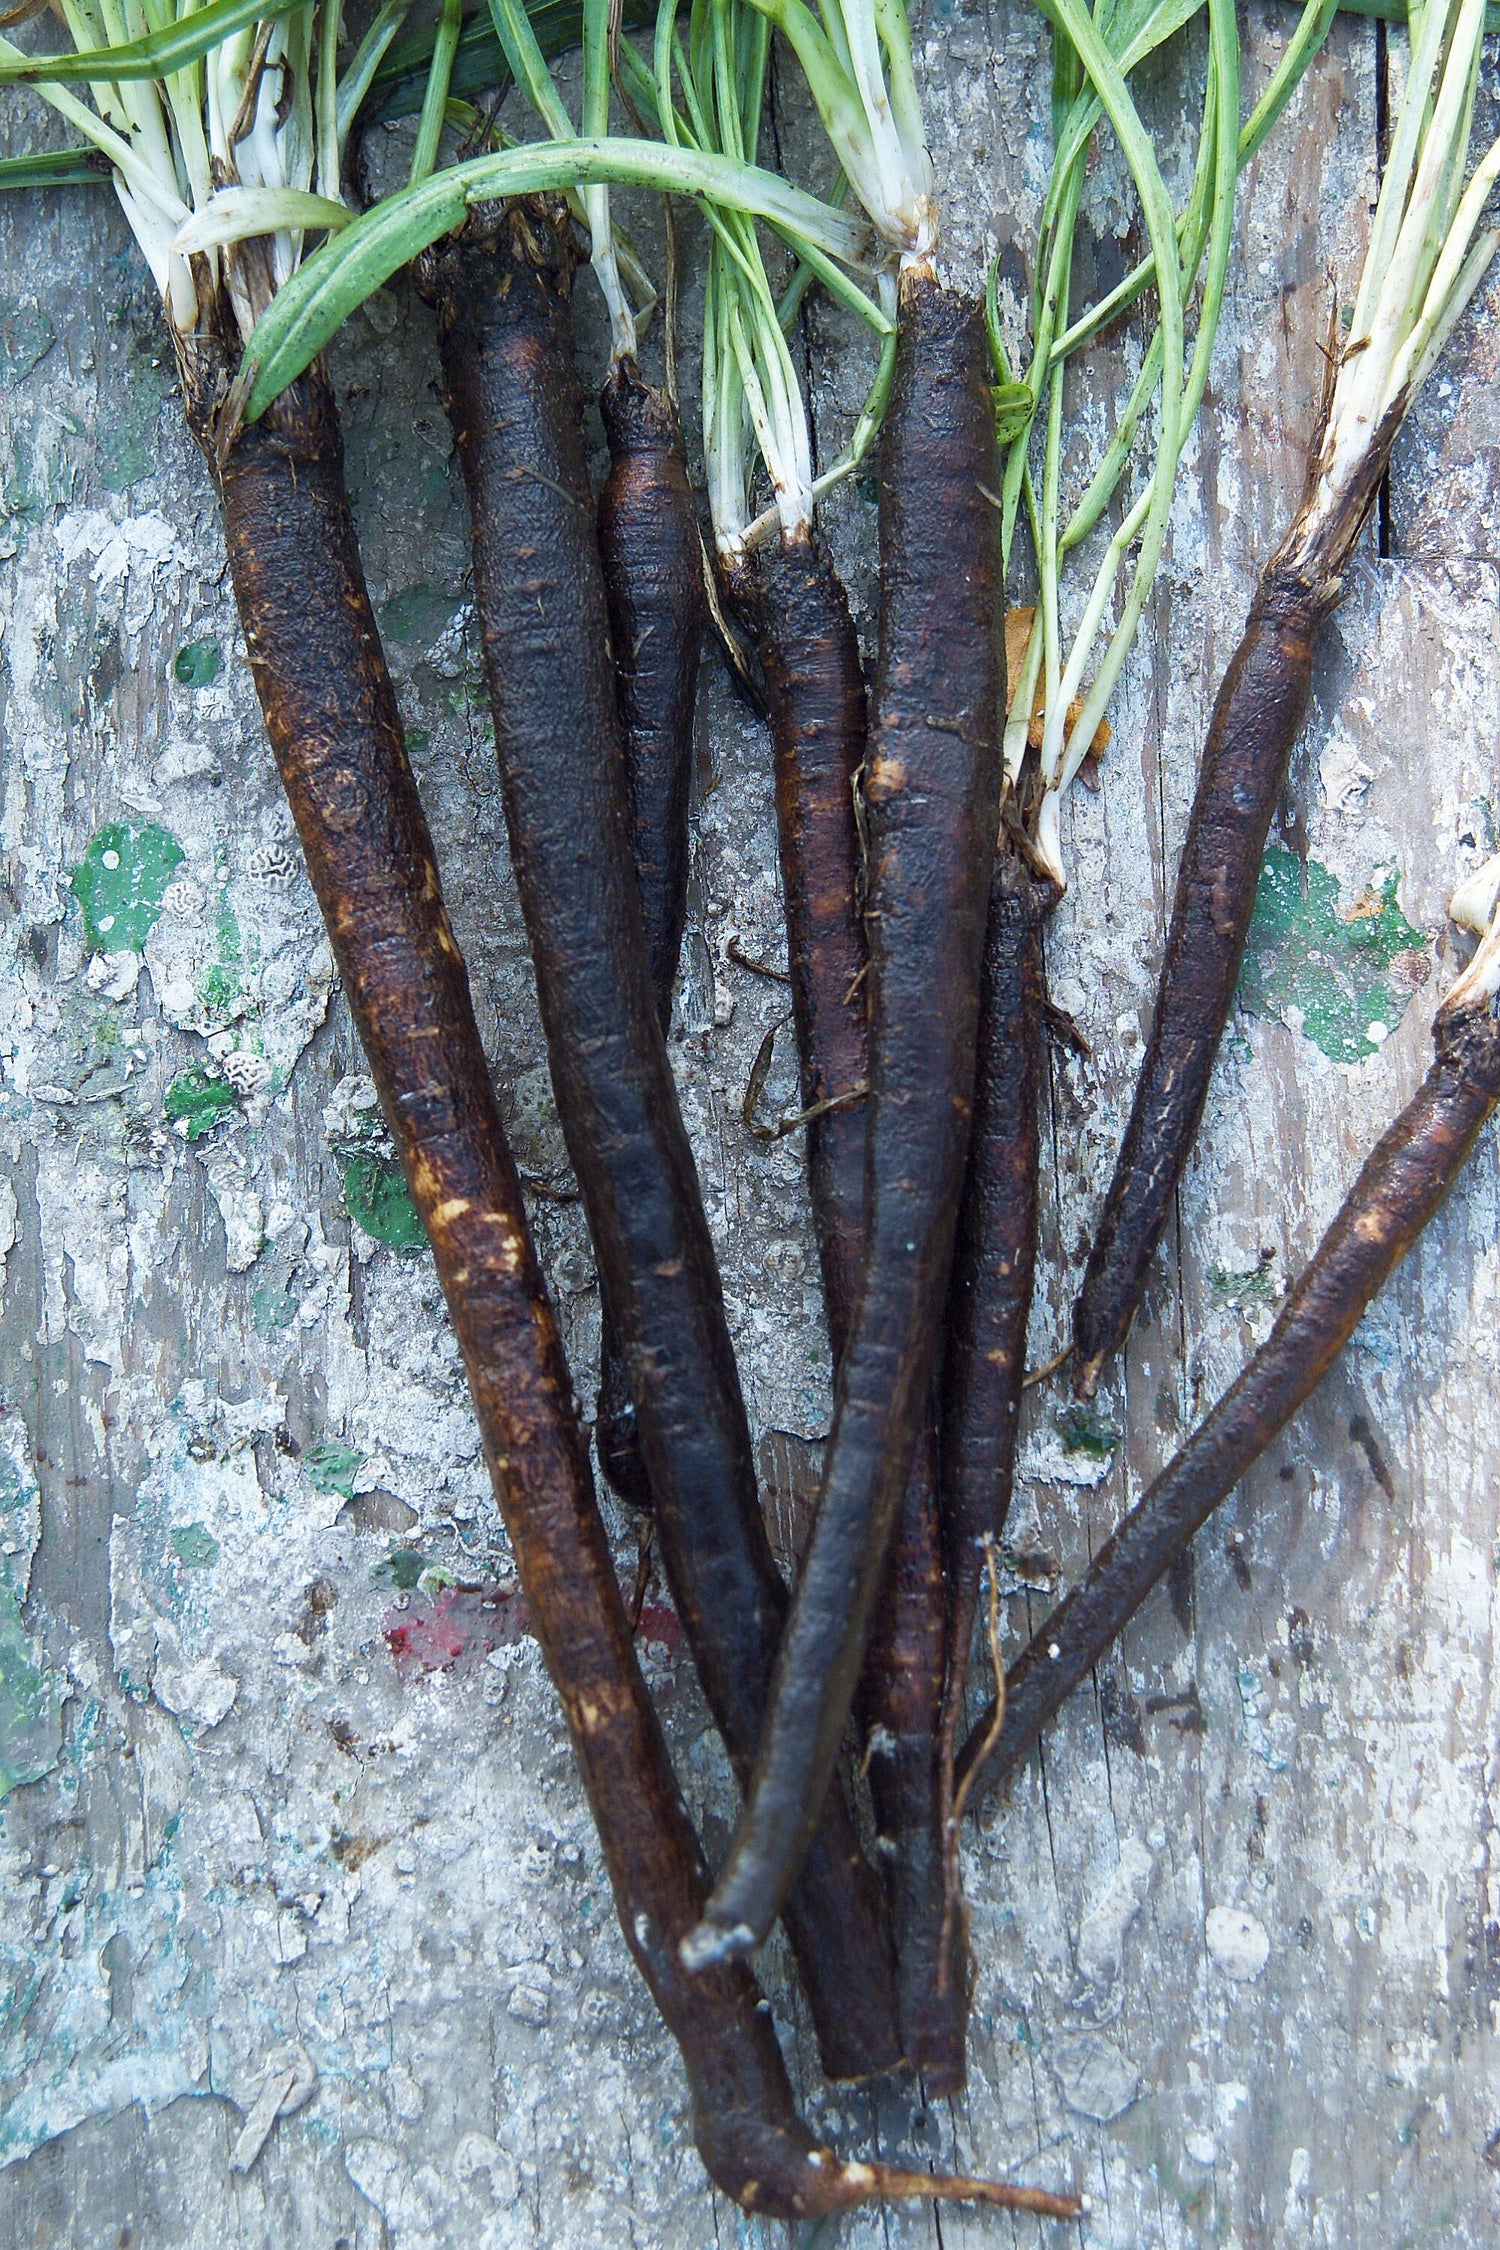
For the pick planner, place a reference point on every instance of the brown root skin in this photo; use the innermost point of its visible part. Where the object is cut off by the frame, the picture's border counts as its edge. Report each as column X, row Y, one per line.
column 931, row 792
column 794, row 607
column 989, row 1294
column 1402, row 1184
column 331, row 714
column 500, row 289
column 797, row 615
column 1257, row 718
column 334, row 726
column 651, row 555
column 900, row 1705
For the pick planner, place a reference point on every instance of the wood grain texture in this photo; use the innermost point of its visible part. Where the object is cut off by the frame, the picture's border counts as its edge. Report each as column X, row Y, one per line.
column 394, row 1866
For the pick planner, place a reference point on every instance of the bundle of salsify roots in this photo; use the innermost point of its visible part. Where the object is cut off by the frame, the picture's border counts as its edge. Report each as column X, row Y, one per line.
column 919, row 835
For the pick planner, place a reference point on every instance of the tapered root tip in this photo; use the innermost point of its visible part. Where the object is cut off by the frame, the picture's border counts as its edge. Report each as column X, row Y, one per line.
column 881, row 2182
column 1086, row 1374
column 710, row 1943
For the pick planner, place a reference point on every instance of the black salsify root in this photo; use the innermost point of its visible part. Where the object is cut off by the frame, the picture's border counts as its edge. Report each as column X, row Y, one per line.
column 335, row 729
column 989, row 1298
column 501, row 287
column 1257, row 718
column 931, row 793
column 652, row 558
column 793, row 605
column 1399, row 1188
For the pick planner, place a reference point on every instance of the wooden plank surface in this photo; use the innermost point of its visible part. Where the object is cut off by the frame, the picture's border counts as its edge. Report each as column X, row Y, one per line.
column 1238, row 1934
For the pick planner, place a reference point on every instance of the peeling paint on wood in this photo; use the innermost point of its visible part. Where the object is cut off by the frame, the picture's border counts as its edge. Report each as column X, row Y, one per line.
column 1238, row 1932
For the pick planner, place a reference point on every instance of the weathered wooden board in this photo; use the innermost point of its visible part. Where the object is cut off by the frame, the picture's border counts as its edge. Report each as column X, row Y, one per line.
column 1238, row 1935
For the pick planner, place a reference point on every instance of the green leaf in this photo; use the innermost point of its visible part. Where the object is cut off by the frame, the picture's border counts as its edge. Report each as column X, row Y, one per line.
column 402, row 1568
column 339, row 277
column 380, row 1204
column 160, row 55
column 1087, row 1430
column 238, row 214
column 57, row 167
column 1015, row 404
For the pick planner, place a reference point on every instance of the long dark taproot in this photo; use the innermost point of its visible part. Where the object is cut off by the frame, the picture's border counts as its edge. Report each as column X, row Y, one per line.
column 335, row 729
column 501, row 290
column 931, row 796
column 652, row 559
column 796, row 612
column 989, row 1297
column 1401, row 1185
column 1257, row 718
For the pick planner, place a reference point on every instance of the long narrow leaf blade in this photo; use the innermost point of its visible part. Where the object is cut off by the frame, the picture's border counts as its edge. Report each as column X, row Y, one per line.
column 239, row 214
column 479, row 66
column 58, row 167
column 159, row 55
column 320, row 296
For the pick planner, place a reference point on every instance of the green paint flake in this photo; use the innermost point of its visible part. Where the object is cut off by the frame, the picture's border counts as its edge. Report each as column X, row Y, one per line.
column 26, row 336
column 121, row 881
column 1326, row 968
column 129, row 408
column 273, row 1304
column 418, row 614
column 36, row 473
column 194, row 1546
column 220, row 987
column 198, row 662
column 227, row 930
column 197, row 1100
column 332, row 1467
column 402, row 1568
column 1254, row 1287
column 1084, row 1429
column 379, row 1201
column 30, row 1720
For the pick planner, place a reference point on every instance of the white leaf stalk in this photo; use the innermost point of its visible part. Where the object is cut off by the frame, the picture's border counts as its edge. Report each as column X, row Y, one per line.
column 1101, row 51
column 1426, row 257
column 750, row 386
column 1475, row 906
column 528, row 65
column 856, row 57
column 243, row 143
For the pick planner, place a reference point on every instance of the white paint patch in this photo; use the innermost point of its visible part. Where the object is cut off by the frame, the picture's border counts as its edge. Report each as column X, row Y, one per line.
column 8, row 1218
column 20, row 1502
column 1238, row 1942
column 1101, row 1937
column 477, row 2154
column 428, row 2209
column 116, row 548
column 1045, row 1459
column 240, row 1208
column 198, row 1693
column 114, row 976
column 1093, row 2076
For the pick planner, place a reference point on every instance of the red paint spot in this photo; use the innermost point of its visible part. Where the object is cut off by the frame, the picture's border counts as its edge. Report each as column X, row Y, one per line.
column 455, row 1629
column 658, row 1627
